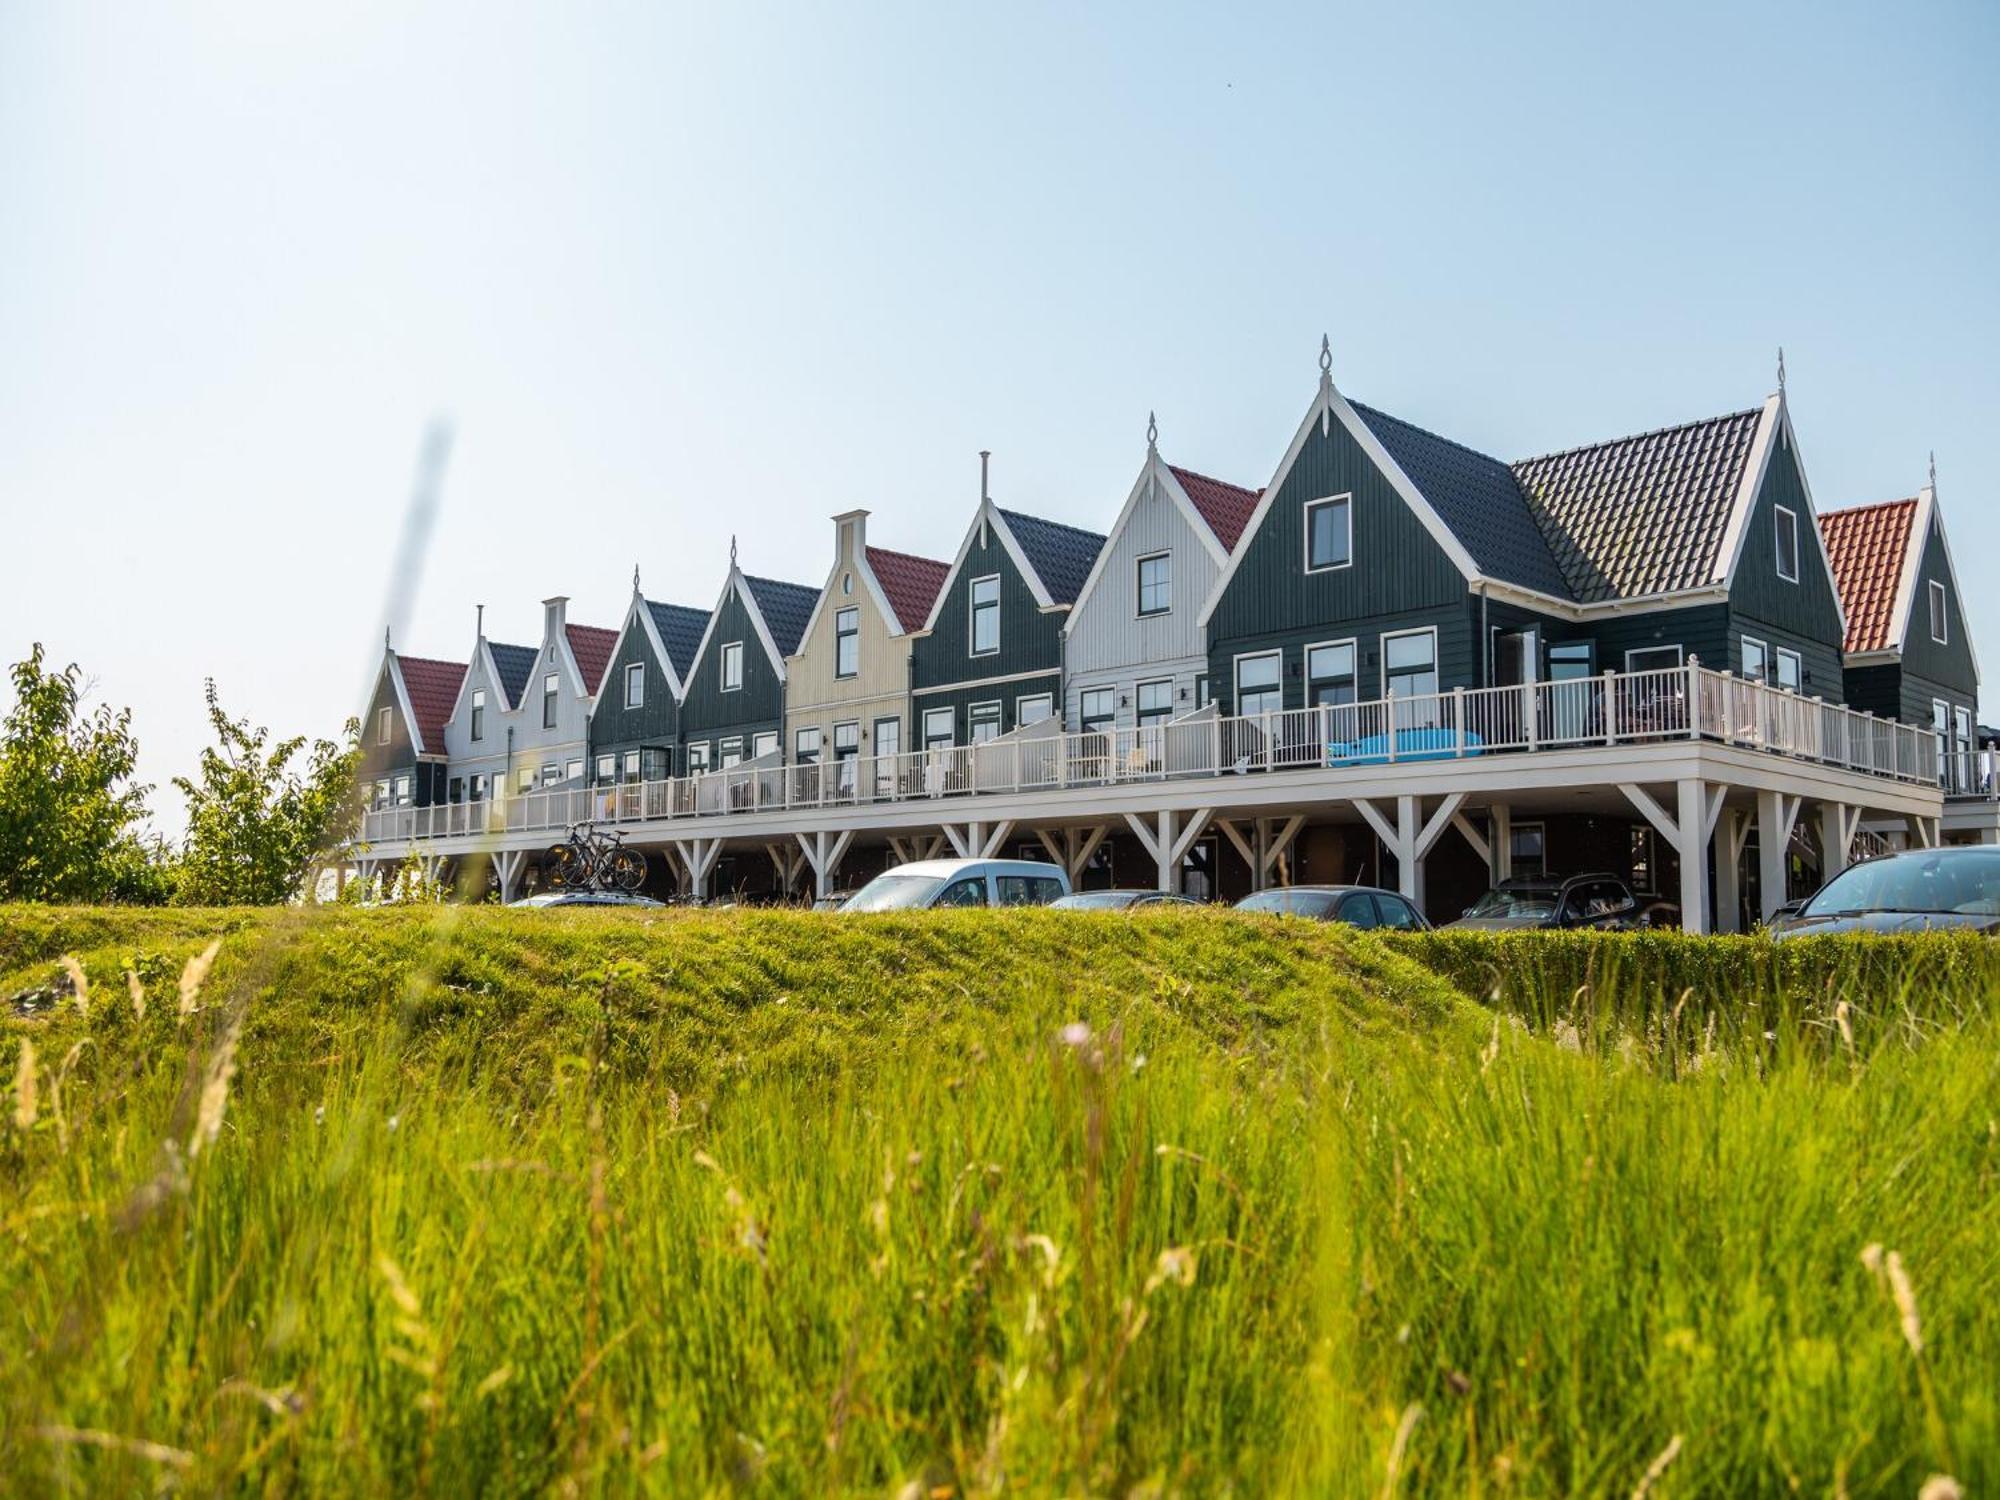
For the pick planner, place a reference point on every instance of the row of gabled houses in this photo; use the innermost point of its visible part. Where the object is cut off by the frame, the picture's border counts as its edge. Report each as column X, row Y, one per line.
column 1379, row 558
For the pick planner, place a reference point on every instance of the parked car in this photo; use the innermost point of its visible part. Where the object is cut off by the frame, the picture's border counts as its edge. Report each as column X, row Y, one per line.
column 587, row 898
column 1356, row 905
column 1918, row 890
column 1117, row 900
column 928, row 883
column 1527, row 901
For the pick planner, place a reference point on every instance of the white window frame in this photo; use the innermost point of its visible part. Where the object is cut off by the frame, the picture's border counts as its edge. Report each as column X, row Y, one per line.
column 1779, row 657
column 1139, row 577
column 1397, row 635
column 731, row 663
column 972, row 607
column 845, row 634
column 384, row 726
column 635, row 684
column 892, row 723
column 1236, row 670
column 1346, row 503
column 402, row 791
column 950, row 737
column 763, row 743
column 551, row 773
column 1743, row 646
column 526, row 780
column 478, row 725
column 1353, row 644
column 573, row 771
column 975, row 715
column 1138, row 691
column 807, row 743
column 729, row 751
column 1047, row 701
column 632, row 763
column 699, row 757
column 1680, row 657
column 853, row 750
column 1940, row 613
column 551, row 691
column 475, row 786
column 1084, row 717
column 1781, row 517
column 607, row 769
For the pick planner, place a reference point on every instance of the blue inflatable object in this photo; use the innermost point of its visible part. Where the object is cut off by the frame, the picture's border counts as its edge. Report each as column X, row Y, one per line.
column 1411, row 745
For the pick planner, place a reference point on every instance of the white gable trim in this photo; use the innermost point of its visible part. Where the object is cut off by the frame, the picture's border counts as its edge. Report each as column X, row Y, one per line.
column 1906, row 580
column 1155, row 470
column 876, row 592
column 638, row 611
column 1776, row 419
column 988, row 514
column 480, row 656
column 392, row 668
column 737, row 585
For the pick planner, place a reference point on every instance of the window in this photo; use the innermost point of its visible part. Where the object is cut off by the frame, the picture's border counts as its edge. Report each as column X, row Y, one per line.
column 1258, row 689
column 1097, row 709
column 730, row 751
column 970, row 891
column 846, row 741
column 1409, row 664
column 1156, row 702
column 383, row 726
column 549, row 684
column 1329, row 534
column 1201, row 693
column 1791, row 670
column 573, row 771
column 652, row 761
column 888, row 738
column 1156, row 584
column 1756, row 660
column 1940, row 626
column 1395, row 912
column 526, row 781
column 551, row 774
column 1962, row 766
column 457, row 791
column 1330, row 676
column 1645, row 860
column 985, row 722
column 479, row 713
column 847, row 642
column 986, row 615
column 635, row 685
column 698, row 757
column 1569, row 660
column 1034, row 708
column 939, row 731
column 1026, row 890
column 1528, row 849
column 1652, row 658
column 764, row 742
column 478, row 788
column 847, row 583
column 607, row 769
column 1357, row 910
column 732, row 666
column 805, row 746
column 1786, row 530
column 402, row 791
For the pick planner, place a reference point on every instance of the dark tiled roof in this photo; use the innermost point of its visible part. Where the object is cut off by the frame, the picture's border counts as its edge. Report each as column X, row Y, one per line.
column 912, row 583
column 1226, row 507
column 433, row 688
column 786, row 608
column 1476, row 498
column 681, row 630
column 592, row 648
column 1641, row 515
column 516, row 665
column 1062, row 555
column 1866, row 547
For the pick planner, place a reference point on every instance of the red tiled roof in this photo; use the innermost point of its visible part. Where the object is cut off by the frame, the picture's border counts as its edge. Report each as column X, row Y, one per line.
column 912, row 583
column 591, row 647
column 1226, row 507
column 1866, row 547
column 433, row 688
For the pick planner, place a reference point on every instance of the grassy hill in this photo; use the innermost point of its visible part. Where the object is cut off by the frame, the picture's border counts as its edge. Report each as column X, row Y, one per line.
column 504, row 1202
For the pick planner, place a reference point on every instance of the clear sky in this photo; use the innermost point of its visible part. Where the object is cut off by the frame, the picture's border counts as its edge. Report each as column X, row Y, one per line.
column 681, row 272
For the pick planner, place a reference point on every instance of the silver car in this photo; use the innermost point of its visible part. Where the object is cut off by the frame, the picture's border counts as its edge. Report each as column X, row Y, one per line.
column 932, row 883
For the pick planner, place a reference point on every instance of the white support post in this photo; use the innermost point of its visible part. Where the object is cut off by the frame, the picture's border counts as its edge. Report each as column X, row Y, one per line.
column 700, row 856
column 1777, row 814
column 1500, row 841
column 1474, row 837
column 1923, row 832
column 990, row 844
column 1400, row 839
column 1075, row 848
column 823, row 851
column 1838, row 823
column 1168, row 844
column 1693, row 845
column 508, row 864
column 789, row 863
column 961, row 843
column 1734, row 831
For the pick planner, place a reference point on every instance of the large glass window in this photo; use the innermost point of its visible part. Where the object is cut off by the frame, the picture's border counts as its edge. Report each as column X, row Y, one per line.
column 1034, row 708
column 1156, row 585
column 607, row 769
column 985, row 615
column 1330, row 677
column 698, row 757
column 402, row 791
column 635, row 684
column 549, row 689
column 1528, row 850
column 1156, row 702
column 1097, row 709
column 730, row 751
column 573, row 771
column 888, row 737
column 732, row 666
column 632, row 764
column 764, row 742
column 847, row 642
column 985, row 722
column 1258, row 688
column 1791, row 670
column 1652, row 658
column 1329, row 533
column 1756, row 660
column 479, row 713
column 1569, row 660
column 846, row 741
column 1409, row 664
column 805, row 746
column 939, row 733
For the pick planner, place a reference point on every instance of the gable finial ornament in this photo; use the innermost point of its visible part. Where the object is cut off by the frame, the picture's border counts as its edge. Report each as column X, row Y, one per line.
column 479, row 621
column 635, row 578
column 1781, row 369
column 1152, row 432
column 1325, row 383
column 732, row 551
column 387, row 644
column 1934, row 469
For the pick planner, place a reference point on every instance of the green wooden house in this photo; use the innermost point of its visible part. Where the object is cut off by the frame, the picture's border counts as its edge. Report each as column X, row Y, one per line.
column 635, row 725
column 732, row 706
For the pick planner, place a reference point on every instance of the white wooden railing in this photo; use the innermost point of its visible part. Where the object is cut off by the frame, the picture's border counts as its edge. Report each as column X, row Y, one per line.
column 1689, row 702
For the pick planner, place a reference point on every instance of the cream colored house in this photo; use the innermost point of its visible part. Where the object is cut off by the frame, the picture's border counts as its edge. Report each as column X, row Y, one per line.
column 847, row 689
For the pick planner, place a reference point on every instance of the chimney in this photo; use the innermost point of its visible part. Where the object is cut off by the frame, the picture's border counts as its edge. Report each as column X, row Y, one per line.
column 850, row 533
column 985, row 461
column 555, row 615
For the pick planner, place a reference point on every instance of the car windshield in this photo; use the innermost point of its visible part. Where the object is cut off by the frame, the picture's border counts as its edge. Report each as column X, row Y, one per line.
column 1967, row 883
column 1516, row 901
column 1291, row 903
column 1097, row 900
column 894, row 893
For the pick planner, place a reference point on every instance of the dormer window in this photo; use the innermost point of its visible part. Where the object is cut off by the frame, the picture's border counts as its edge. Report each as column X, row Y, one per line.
column 549, row 683
column 1787, row 537
column 847, row 642
column 986, row 615
column 1940, row 622
column 479, row 713
column 732, row 667
column 384, row 727
column 635, row 685
column 1329, row 533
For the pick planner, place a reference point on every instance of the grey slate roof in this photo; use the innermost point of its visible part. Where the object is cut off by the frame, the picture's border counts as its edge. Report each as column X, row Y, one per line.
column 680, row 631
column 1641, row 515
column 786, row 607
column 1477, row 498
column 515, row 665
column 1061, row 555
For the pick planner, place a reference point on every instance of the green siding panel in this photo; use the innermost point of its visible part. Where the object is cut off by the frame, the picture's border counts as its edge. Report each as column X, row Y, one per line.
column 1030, row 642
column 1802, row 616
column 1950, row 666
column 614, row 728
column 709, row 713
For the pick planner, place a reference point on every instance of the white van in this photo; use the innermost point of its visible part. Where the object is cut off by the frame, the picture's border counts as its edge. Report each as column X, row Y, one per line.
column 961, row 882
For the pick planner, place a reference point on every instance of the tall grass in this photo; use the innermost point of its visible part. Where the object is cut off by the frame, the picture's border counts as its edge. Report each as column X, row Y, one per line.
column 980, row 1205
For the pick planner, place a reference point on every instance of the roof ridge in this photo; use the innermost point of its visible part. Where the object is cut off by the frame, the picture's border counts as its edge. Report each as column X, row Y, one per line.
column 1634, row 437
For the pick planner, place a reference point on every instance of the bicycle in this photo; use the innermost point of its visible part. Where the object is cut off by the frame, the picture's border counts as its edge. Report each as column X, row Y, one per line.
column 593, row 860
